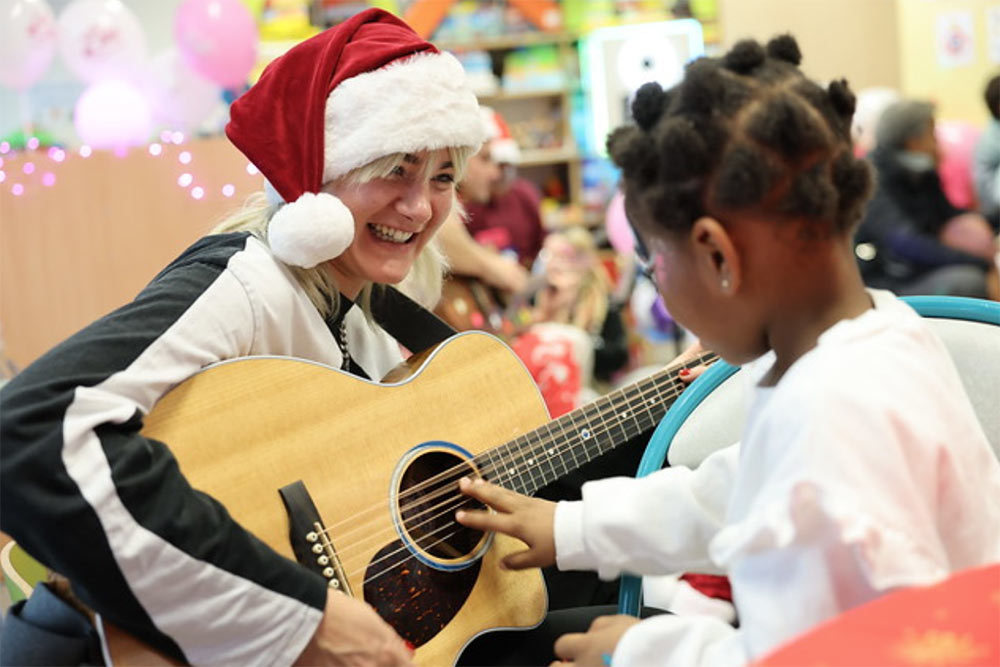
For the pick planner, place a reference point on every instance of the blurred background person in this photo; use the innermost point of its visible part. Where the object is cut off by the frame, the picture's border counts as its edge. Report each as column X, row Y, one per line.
column 503, row 208
column 986, row 159
column 913, row 240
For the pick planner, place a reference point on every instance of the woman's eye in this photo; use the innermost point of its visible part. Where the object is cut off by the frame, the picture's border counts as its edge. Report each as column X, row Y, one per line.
column 445, row 178
column 398, row 171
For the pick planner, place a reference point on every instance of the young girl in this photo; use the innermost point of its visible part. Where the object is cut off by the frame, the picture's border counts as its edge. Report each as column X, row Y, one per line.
column 862, row 467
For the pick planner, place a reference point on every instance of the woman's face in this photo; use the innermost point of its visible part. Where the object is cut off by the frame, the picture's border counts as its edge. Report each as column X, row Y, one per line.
column 394, row 218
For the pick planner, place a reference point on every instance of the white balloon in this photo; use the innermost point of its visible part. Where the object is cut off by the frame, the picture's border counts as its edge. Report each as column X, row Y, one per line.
column 113, row 114
column 99, row 39
column 181, row 98
column 27, row 41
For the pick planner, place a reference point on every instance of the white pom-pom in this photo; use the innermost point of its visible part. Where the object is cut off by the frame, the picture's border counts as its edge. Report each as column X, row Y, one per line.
column 311, row 230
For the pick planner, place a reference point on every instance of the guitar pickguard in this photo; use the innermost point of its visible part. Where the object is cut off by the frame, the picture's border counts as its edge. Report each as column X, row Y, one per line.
column 415, row 599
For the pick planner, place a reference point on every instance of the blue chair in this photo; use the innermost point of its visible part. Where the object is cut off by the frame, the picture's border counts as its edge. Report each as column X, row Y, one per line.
column 695, row 426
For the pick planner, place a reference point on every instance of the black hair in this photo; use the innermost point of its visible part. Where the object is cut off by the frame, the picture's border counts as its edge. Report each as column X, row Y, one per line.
column 992, row 96
column 747, row 132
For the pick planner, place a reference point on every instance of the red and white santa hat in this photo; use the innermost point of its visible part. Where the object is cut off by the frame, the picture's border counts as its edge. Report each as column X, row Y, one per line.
column 366, row 88
column 503, row 148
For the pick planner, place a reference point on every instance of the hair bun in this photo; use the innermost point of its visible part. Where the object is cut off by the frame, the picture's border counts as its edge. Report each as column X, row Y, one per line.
column 784, row 47
column 647, row 107
column 744, row 56
column 841, row 97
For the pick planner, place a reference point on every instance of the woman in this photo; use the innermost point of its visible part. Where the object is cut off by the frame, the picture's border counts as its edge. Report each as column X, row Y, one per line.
column 363, row 130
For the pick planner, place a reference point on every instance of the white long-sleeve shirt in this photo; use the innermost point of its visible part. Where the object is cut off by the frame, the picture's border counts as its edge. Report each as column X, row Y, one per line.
column 864, row 469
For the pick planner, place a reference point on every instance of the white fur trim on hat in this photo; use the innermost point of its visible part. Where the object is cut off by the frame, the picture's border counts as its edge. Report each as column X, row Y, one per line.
column 311, row 230
column 421, row 102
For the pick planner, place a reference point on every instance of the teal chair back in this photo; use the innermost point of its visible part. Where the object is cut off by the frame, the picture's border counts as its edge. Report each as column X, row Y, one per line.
column 695, row 426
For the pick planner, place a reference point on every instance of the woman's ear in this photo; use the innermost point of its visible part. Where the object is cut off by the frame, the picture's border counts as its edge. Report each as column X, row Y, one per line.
column 716, row 257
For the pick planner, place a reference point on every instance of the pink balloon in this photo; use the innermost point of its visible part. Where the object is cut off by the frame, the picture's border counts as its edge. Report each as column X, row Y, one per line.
column 217, row 39
column 27, row 41
column 616, row 224
column 957, row 142
column 113, row 114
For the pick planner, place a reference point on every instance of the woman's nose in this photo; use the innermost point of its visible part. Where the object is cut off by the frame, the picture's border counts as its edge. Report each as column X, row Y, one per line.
column 415, row 203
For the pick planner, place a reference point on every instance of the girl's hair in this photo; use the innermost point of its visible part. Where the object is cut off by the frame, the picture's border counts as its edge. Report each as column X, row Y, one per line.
column 744, row 133
column 426, row 275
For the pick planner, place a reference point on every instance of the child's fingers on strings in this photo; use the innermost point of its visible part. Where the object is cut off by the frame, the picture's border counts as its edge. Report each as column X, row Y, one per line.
column 495, row 496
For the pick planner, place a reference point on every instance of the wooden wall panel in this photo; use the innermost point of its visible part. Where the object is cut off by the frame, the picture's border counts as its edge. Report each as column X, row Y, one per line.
column 76, row 250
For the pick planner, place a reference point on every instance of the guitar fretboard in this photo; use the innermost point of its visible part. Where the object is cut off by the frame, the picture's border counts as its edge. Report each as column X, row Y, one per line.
column 545, row 454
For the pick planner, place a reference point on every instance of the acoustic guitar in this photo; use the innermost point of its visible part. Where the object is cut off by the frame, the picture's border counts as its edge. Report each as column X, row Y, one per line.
column 358, row 480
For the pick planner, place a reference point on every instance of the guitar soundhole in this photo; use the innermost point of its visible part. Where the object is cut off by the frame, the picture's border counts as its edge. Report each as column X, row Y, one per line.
column 428, row 499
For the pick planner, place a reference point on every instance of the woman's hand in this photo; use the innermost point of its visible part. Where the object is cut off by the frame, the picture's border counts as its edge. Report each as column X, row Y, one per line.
column 351, row 633
column 597, row 645
column 530, row 520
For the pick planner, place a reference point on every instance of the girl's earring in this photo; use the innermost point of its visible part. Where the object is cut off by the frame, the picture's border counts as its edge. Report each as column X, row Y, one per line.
column 725, row 283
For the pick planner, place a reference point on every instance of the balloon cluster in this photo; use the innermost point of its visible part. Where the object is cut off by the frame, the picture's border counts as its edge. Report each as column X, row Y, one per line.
column 128, row 93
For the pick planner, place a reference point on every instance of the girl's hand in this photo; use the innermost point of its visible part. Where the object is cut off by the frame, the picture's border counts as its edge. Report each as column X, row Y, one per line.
column 597, row 645
column 530, row 520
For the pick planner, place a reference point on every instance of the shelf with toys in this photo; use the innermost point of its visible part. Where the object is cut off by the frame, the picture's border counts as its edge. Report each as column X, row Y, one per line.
column 530, row 79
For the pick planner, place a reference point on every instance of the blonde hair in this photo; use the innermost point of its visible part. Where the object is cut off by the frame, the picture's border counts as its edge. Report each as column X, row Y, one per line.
column 590, row 306
column 426, row 275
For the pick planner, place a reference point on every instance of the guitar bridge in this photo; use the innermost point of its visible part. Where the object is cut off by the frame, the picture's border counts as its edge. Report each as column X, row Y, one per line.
column 309, row 538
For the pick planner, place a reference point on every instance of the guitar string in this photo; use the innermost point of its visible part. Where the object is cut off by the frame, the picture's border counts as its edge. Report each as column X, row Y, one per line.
column 493, row 469
column 449, row 490
column 454, row 501
column 526, row 453
column 653, row 386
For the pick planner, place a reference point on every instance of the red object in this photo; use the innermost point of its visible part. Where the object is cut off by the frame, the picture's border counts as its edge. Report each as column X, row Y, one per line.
column 553, row 365
column 955, row 622
column 711, row 585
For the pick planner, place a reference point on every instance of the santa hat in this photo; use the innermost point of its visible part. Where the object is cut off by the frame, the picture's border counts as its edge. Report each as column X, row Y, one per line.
column 503, row 148
column 367, row 88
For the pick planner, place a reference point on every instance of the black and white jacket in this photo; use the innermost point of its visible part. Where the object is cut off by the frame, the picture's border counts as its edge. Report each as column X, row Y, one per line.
column 83, row 491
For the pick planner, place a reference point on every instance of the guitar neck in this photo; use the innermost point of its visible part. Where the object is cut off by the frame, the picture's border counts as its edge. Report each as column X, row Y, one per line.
column 545, row 454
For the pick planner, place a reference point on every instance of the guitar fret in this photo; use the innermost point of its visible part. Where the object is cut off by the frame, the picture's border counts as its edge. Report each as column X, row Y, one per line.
column 578, row 437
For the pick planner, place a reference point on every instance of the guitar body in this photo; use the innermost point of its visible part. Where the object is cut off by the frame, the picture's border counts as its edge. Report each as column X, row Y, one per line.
column 243, row 429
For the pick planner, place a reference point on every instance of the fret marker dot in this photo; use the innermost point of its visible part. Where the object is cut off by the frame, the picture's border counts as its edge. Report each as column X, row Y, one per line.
column 551, row 452
column 511, row 471
column 531, row 462
column 585, row 434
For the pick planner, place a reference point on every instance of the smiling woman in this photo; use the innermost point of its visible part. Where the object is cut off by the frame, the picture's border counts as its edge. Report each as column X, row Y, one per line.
column 361, row 133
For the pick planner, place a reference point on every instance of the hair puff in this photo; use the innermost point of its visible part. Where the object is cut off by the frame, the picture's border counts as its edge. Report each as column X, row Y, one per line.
column 784, row 47
column 744, row 56
column 648, row 105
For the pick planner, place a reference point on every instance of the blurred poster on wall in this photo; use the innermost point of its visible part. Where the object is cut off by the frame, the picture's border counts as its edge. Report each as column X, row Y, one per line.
column 955, row 39
column 993, row 34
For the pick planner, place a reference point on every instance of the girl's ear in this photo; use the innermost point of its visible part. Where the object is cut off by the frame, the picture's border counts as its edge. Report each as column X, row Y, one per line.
column 716, row 257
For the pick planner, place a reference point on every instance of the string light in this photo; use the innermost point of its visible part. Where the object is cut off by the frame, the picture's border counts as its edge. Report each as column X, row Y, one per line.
column 47, row 175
